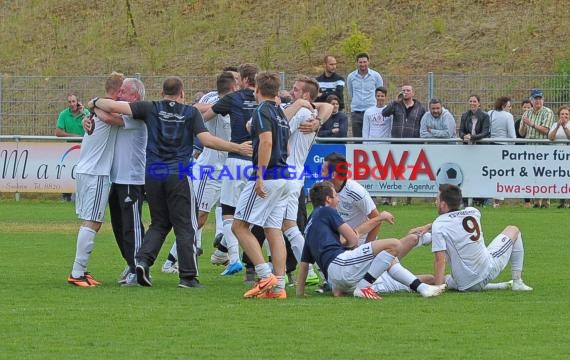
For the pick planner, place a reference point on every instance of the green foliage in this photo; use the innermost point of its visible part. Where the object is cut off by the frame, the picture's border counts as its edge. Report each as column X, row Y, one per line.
column 355, row 43
column 45, row 318
column 267, row 54
column 308, row 41
column 439, row 26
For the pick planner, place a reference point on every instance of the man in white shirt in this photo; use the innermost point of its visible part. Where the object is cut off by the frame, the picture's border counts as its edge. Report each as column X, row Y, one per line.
column 374, row 124
column 457, row 239
column 127, row 182
column 93, row 185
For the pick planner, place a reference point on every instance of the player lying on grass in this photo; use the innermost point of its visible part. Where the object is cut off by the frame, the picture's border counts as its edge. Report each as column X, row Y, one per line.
column 457, row 239
column 327, row 238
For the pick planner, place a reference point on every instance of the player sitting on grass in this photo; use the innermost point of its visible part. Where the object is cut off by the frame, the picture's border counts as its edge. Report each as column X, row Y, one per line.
column 457, row 238
column 351, row 271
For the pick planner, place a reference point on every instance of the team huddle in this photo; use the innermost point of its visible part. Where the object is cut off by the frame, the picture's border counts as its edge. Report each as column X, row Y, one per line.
column 244, row 125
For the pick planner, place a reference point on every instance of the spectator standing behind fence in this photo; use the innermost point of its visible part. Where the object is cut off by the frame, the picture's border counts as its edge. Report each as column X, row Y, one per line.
column 406, row 113
column 502, row 121
column 69, row 124
column 374, row 124
column 525, row 106
column 502, row 126
column 437, row 123
column 475, row 124
column 536, row 124
column 361, row 83
column 560, row 131
column 337, row 125
column 331, row 83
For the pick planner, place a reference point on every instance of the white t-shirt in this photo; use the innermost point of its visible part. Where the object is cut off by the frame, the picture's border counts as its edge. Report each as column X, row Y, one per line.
column 299, row 142
column 128, row 167
column 354, row 205
column 460, row 235
column 97, row 149
column 218, row 126
column 375, row 125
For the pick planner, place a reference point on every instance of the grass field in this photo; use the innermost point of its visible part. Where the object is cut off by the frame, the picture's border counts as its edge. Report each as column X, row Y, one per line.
column 42, row 317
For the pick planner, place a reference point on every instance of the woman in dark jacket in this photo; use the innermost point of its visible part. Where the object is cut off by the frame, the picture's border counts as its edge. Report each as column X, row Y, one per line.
column 337, row 124
column 475, row 124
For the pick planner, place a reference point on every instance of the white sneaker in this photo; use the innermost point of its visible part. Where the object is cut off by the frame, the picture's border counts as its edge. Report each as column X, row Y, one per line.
column 216, row 259
column 123, row 277
column 131, row 280
column 433, row 290
column 518, row 285
column 169, row 268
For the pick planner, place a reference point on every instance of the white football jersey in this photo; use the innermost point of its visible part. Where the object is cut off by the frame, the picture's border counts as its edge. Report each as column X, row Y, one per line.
column 460, row 235
column 354, row 205
column 97, row 149
column 299, row 143
column 129, row 160
column 218, row 126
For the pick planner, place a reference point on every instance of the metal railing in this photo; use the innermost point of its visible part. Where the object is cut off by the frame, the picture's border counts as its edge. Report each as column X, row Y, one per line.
column 30, row 105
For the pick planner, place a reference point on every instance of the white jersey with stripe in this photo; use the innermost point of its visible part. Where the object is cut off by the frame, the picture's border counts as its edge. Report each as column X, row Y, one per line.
column 97, row 149
column 218, row 126
column 460, row 235
column 299, row 142
column 355, row 203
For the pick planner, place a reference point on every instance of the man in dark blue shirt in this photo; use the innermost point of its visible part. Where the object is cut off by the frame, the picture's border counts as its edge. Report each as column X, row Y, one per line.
column 327, row 238
column 172, row 126
column 263, row 200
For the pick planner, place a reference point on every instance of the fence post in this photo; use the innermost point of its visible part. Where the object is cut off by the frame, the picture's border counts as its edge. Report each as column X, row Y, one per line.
column 430, row 82
column 1, row 101
column 282, row 79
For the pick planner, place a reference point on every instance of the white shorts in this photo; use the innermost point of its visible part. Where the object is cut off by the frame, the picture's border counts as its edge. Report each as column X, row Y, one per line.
column 500, row 250
column 349, row 267
column 294, row 188
column 206, row 187
column 233, row 187
column 92, row 196
column 265, row 212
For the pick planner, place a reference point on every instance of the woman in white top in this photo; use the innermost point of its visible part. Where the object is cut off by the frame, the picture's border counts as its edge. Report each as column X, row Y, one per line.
column 560, row 130
column 502, row 121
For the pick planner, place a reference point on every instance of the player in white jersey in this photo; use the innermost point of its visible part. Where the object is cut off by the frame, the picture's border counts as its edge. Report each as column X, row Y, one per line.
column 206, row 171
column 356, row 205
column 93, row 184
column 457, row 239
column 304, row 88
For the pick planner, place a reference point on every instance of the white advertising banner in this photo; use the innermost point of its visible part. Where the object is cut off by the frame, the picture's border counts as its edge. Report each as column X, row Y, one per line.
column 29, row 166
column 509, row 171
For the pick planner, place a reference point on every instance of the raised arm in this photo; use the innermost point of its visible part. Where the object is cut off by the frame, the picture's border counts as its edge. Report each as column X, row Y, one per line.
column 110, row 106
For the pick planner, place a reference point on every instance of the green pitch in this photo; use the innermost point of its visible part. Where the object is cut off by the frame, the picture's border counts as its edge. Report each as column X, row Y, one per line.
column 42, row 317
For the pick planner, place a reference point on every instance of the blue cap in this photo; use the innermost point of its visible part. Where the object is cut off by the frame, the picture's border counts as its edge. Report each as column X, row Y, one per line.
column 534, row 93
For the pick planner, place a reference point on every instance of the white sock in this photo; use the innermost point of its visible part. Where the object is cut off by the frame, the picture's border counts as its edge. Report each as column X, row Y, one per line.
column 219, row 221
column 280, row 284
column 401, row 274
column 379, row 264
column 231, row 241
column 198, row 238
column 497, row 286
column 263, row 271
column 296, row 240
column 517, row 258
column 85, row 243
